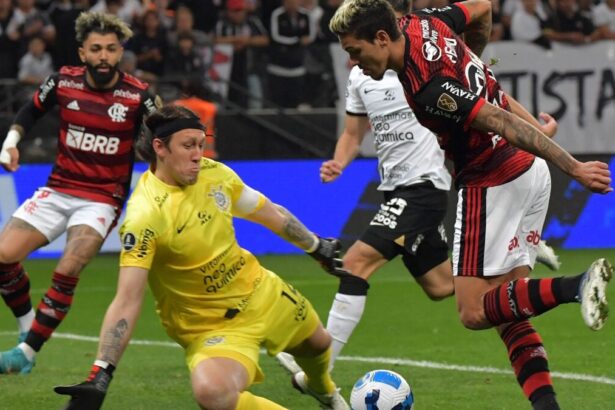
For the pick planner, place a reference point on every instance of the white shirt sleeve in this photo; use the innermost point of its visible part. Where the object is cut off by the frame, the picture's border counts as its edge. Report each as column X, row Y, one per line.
column 354, row 102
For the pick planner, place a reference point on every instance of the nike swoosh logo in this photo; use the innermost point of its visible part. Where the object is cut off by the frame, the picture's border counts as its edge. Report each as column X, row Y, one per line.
column 366, row 91
column 181, row 228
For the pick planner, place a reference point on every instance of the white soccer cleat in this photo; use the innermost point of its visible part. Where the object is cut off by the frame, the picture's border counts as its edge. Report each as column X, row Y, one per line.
column 288, row 363
column 592, row 292
column 546, row 255
column 333, row 401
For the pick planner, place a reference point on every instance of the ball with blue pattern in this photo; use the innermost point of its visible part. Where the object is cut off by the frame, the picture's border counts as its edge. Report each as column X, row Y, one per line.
column 381, row 390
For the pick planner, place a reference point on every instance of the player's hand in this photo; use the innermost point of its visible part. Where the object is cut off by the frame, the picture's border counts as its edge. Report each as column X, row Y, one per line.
column 594, row 175
column 87, row 395
column 330, row 170
column 549, row 126
column 9, row 159
column 328, row 255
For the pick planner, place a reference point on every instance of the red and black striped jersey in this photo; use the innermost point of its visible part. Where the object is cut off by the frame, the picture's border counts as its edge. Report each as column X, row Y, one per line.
column 98, row 129
column 446, row 84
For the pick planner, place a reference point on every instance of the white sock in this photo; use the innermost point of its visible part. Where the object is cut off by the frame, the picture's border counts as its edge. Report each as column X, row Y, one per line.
column 344, row 316
column 25, row 322
column 27, row 351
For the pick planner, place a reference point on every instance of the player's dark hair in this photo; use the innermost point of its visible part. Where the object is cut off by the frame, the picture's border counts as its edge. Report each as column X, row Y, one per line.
column 401, row 6
column 364, row 18
column 157, row 120
column 101, row 23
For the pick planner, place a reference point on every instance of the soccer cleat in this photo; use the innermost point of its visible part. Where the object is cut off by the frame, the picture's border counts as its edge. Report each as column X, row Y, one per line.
column 333, row 401
column 14, row 361
column 592, row 292
column 546, row 256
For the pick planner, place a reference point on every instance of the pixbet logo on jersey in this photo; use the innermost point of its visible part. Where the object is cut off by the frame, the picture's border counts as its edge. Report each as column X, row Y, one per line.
column 79, row 139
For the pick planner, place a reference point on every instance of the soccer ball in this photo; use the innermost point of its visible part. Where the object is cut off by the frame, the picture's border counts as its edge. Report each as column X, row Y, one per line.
column 381, row 390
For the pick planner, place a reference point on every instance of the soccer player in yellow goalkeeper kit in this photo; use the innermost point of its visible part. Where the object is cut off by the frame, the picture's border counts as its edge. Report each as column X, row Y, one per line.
column 212, row 296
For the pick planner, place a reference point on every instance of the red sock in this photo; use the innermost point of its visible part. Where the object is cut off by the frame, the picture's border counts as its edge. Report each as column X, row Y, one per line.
column 51, row 311
column 15, row 288
column 528, row 359
column 524, row 298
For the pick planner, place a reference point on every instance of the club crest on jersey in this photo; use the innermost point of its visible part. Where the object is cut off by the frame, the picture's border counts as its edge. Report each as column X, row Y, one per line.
column 431, row 52
column 128, row 241
column 117, row 112
column 212, row 341
column 447, row 103
column 222, row 200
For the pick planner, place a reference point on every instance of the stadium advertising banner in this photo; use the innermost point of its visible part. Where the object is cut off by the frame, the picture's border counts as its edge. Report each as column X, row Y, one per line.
column 576, row 218
column 575, row 84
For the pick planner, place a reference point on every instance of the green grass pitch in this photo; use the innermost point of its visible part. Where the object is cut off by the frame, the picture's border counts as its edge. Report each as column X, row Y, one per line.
column 447, row 366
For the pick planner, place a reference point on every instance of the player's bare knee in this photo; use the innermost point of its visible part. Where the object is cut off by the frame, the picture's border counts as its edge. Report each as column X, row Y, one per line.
column 472, row 319
column 440, row 292
column 214, row 396
column 6, row 256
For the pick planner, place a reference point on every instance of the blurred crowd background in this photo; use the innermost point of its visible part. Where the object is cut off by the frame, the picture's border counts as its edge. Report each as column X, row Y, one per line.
column 280, row 48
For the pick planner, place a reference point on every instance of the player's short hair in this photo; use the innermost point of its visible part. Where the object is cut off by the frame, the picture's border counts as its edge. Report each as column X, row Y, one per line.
column 101, row 23
column 364, row 18
column 401, row 6
column 161, row 119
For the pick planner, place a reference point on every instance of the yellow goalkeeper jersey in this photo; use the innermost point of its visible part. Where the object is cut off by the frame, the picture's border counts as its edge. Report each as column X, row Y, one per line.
column 185, row 237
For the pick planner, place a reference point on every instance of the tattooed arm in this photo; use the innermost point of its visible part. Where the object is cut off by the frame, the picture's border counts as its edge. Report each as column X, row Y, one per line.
column 478, row 29
column 594, row 175
column 122, row 314
column 280, row 221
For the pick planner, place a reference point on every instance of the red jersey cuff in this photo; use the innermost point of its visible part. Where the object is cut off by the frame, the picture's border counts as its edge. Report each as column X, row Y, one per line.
column 464, row 9
column 481, row 101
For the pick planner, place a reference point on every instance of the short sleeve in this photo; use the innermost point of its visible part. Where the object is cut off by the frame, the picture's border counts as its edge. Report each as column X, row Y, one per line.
column 455, row 16
column 450, row 103
column 244, row 199
column 138, row 236
column 354, row 102
column 46, row 96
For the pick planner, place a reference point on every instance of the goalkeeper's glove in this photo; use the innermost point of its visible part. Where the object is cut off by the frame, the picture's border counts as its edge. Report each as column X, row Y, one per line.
column 327, row 253
column 90, row 394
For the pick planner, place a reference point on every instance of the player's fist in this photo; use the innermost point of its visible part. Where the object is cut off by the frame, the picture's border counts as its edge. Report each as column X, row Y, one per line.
column 328, row 255
column 330, row 170
column 90, row 394
column 9, row 159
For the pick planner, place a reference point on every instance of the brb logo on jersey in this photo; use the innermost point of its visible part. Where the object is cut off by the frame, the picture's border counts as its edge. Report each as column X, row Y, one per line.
column 117, row 112
column 79, row 139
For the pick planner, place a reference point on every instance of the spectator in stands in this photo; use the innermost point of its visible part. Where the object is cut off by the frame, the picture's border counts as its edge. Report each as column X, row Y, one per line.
column 543, row 9
column 245, row 33
column 604, row 19
column 128, row 65
column 127, row 10
column 291, row 32
column 184, row 24
column 586, row 8
column 150, row 44
column 63, row 14
column 165, row 15
column 205, row 13
column 184, row 63
column 526, row 24
column 36, row 64
column 8, row 45
column 568, row 25
column 28, row 22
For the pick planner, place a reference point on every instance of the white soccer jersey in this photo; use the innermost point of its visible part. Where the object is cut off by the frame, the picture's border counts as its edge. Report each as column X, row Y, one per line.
column 408, row 153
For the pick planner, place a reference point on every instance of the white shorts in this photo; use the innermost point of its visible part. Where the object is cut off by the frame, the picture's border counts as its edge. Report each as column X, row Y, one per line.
column 52, row 213
column 498, row 228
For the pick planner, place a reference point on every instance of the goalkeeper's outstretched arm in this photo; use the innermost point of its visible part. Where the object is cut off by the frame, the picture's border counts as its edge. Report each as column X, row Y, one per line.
column 115, row 333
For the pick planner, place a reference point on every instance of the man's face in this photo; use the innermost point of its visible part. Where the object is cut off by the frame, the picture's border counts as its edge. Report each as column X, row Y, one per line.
column 180, row 162
column 370, row 56
column 101, row 53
